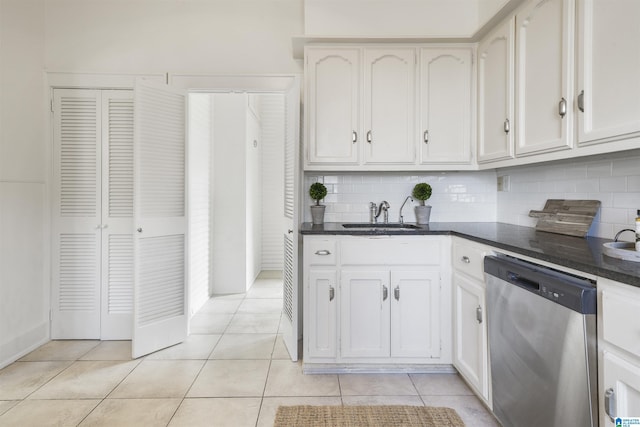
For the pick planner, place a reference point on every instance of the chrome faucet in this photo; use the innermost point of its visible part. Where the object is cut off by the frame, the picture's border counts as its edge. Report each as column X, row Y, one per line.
column 384, row 207
column 615, row 239
column 401, row 219
column 372, row 212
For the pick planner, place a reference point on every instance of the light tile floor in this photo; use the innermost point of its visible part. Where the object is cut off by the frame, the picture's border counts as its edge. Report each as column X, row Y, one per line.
column 233, row 370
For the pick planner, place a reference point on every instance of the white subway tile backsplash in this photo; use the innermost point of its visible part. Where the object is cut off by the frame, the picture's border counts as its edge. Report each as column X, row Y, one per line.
column 457, row 196
column 614, row 179
column 613, row 184
column 599, row 169
column 626, row 167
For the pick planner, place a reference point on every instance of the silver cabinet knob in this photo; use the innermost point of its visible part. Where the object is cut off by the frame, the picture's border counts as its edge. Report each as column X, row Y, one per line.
column 323, row 252
column 139, row 230
column 562, row 107
column 354, row 136
column 466, row 259
column 581, row 101
column 332, row 293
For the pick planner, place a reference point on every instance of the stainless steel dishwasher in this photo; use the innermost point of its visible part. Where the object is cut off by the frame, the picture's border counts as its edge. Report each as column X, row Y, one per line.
column 542, row 345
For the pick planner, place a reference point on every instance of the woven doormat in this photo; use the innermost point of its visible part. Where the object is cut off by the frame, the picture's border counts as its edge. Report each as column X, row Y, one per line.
column 369, row 416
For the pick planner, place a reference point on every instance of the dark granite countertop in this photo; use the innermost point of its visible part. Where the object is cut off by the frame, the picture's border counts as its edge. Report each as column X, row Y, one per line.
column 582, row 254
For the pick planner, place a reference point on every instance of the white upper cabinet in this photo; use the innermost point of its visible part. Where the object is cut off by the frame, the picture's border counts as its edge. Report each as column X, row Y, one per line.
column 445, row 105
column 495, row 94
column 364, row 102
column 608, row 69
column 544, row 95
column 389, row 105
column 334, row 106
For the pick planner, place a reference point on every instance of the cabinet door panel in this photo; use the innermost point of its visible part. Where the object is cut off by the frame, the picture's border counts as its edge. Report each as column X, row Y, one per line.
column 470, row 352
column 415, row 314
column 445, row 105
column 623, row 378
column 322, row 313
column 609, row 66
column 544, row 30
column 334, row 78
column 389, row 88
column 495, row 96
column 364, row 313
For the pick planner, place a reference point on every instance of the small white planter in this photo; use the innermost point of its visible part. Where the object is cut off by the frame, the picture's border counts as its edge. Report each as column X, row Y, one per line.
column 317, row 214
column 423, row 213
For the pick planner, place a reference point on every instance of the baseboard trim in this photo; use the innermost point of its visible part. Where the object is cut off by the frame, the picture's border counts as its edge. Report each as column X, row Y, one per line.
column 337, row 368
column 14, row 349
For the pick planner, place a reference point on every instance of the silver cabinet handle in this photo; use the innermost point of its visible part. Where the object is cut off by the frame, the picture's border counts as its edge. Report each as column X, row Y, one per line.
column 466, row 259
column 369, row 137
column 610, row 403
column 323, row 252
column 385, row 293
column 396, row 293
column 507, row 126
column 581, row 101
column 354, row 136
column 289, row 231
column 332, row 293
column 425, row 136
column 139, row 230
column 562, row 107
column 479, row 314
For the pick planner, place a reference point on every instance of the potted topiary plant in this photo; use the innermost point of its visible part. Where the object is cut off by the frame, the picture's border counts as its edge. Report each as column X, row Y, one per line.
column 317, row 191
column 421, row 193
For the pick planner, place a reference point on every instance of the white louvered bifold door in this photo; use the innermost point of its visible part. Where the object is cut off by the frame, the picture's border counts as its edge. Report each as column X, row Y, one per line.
column 291, row 299
column 117, row 214
column 160, row 297
column 76, row 216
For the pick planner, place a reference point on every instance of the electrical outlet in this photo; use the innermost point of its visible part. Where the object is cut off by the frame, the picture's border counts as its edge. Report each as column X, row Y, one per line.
column 504, row 183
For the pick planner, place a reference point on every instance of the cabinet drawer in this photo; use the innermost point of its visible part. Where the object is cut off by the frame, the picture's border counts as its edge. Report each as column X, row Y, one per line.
column 468, row 259
column 320, row 251
column 373, row 251
column 620, row 327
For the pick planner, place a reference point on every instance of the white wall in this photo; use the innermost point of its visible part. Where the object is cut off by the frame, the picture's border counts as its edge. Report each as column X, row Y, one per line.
column 272, row 119
column 253, row 194
column 434, row 18
column 199, row 173
column 457, row 196
column 613, row 179
column 24, row 291
column 194, row 36
column 229, row 200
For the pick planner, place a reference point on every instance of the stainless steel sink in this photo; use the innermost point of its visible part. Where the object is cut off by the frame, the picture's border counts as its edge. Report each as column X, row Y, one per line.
column 394, row 225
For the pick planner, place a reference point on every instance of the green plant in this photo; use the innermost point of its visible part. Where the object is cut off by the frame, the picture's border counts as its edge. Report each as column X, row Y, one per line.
column 317, row 191
column 421, row 192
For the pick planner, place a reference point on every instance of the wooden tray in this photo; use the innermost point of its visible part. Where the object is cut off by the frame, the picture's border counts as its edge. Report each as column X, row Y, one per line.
column 569, row 217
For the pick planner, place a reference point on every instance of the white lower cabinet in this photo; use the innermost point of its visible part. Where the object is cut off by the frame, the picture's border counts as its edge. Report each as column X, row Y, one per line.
column 388, row 304
column 322, row 313
column 470, row 340
column 364, row 313
column 470, row 349
column 618, row 351
column 415, row 313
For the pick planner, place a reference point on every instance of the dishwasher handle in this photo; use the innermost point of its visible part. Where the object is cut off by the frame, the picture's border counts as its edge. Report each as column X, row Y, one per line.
column 519, row 280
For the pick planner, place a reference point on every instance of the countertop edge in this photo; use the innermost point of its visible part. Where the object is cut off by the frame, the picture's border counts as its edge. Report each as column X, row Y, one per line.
column 632, row 279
